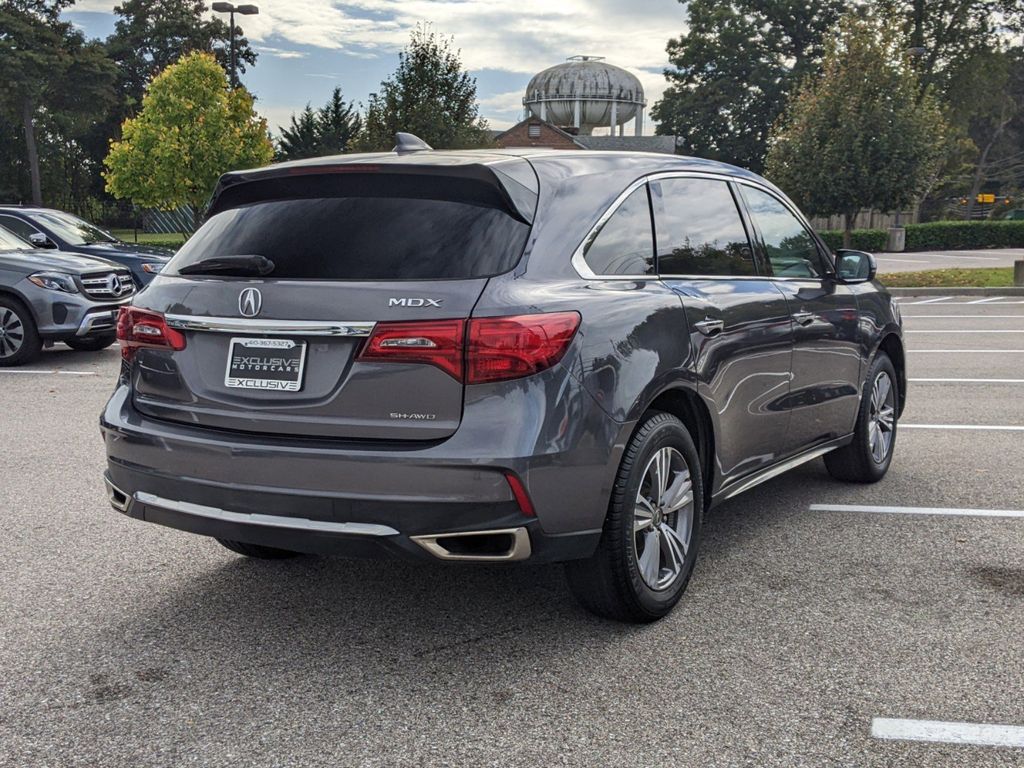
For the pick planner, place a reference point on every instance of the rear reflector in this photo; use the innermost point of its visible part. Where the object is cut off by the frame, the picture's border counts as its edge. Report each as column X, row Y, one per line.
column 521, row 496
column 138, row 328
column 480, row 350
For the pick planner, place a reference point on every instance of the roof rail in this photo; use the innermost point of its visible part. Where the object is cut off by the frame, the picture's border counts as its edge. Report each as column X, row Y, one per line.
column 407, row 142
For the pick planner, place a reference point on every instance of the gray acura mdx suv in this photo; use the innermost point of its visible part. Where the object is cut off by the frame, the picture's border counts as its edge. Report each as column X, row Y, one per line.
column 497, row 356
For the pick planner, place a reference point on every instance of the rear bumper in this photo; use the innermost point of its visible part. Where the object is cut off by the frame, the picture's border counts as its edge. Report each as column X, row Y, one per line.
column 330, row 497
column 503, row 539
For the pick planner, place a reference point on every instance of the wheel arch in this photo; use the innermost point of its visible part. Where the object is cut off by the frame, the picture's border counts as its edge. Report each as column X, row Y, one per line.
column 686, row 405
column 892, row 345
column 10, row 293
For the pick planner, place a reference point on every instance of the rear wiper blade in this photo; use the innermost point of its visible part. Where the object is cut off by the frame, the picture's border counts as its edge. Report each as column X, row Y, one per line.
column 243, row 264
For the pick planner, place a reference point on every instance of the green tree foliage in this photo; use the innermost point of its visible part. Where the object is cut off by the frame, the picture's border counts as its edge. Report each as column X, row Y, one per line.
column 338, row 123
column 326, row 131
column 429, row 95
column 192, row 128
column 858, row 135
column 150, row 35
column 55, row 85
column 733, row 70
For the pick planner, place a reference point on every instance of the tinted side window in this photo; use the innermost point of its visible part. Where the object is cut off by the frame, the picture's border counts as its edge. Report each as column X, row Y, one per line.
column 699, row 229
column 17, row 226
column 791, row 249
column 625, row 244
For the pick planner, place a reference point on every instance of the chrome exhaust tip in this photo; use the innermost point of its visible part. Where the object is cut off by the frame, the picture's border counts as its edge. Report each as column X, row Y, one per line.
column 504, row 545
column 119, row 500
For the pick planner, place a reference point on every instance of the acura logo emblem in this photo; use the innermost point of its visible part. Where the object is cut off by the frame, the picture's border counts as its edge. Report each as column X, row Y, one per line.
column 250, row 301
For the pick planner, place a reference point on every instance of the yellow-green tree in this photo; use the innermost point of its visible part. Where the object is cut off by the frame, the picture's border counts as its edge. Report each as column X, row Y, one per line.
column 192, row 128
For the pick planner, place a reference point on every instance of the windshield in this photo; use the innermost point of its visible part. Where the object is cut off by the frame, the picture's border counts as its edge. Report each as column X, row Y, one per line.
column 73, row 229
column 11, row 242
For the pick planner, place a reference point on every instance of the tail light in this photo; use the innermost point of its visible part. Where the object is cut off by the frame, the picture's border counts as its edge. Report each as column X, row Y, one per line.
column 480, row 350
column 138, row 328
column 502, row 348
column 436, row 342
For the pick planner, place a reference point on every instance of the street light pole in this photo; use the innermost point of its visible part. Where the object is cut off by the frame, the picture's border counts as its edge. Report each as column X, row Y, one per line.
column 245, row 10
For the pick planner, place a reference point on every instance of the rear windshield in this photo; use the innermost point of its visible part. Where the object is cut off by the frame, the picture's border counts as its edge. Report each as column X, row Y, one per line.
column 363, row 238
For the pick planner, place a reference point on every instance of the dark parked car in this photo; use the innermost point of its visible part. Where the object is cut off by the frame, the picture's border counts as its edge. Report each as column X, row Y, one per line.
column 46, row 296
column 46, row 228
column 494, row 357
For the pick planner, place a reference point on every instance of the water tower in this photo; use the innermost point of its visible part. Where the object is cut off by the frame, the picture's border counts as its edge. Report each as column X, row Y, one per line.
column 586, row 93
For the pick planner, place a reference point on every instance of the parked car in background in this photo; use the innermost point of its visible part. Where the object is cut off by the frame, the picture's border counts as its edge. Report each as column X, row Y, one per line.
column 498, row 356
column 48, row 296
column 48, row 228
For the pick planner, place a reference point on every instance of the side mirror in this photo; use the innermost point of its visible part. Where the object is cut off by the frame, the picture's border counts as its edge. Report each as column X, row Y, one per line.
column 855, row 266
column 39, row 240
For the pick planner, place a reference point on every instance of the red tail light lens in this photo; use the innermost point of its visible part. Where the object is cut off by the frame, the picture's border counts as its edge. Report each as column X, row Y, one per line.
column 519, row 493
column 482, row 350
column 502, row 348
column 142, row 328
column 434, row 342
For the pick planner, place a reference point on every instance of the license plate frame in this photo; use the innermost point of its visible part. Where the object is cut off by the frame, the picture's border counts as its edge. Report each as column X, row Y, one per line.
column 257, row 368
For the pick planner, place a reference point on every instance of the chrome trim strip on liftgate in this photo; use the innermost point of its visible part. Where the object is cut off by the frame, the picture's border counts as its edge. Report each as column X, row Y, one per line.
column 270, row 327
column 272, row 521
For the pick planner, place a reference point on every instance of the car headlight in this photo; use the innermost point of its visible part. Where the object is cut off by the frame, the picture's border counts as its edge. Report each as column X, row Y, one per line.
column 54, row 281
column 152, row 268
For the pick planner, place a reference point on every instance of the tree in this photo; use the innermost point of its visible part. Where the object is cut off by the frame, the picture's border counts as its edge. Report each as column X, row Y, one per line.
column 327, row 131
column 858, row 135
column 150, row 35
column 302, row 139
column 192, row 128
column 733, row 71
column 49, row 73
column 428, row 95
column 338, row 124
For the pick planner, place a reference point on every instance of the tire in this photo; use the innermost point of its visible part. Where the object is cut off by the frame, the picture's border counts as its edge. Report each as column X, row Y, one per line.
column 618, row 581
column 867, row 458
column 92, row 343
column 258, row 550
column 19, row 337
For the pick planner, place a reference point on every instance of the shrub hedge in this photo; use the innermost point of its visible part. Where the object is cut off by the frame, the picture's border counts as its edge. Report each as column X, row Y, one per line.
column 938, row 235
column 861, row 239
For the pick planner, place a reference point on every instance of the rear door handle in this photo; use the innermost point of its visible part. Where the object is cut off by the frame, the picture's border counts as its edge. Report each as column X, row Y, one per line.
column 804, row 318
column 710, row 327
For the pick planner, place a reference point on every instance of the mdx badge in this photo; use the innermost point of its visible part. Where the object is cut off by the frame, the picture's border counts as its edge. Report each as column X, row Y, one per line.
column 407, row 302
column 250, row 301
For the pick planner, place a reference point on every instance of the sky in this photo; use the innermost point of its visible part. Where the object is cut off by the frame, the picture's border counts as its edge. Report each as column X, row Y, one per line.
column 307, row 47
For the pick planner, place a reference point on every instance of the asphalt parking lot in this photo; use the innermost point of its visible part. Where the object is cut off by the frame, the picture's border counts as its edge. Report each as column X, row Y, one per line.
column 805, row 630
column 914, row 261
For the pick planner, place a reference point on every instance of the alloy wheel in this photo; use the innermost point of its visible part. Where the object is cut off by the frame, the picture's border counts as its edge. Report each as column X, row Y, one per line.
column 881, row 418
column 12, row 332
column 663, row 518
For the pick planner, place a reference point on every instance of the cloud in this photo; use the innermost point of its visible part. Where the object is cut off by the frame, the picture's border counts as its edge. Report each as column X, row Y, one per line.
column 520, row 38
column 280, row 53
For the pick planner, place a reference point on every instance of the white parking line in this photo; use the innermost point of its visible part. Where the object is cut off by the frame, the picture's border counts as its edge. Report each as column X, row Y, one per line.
column 50, row 372
column 936, row 300
column 958, row 330
column 963, row 317
column 979, row 734
column 958, row 303
column 987, row 301
column 968, row 351
column 946, row 511
column 907, row 261
column 984, row 427
column 968, row 381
